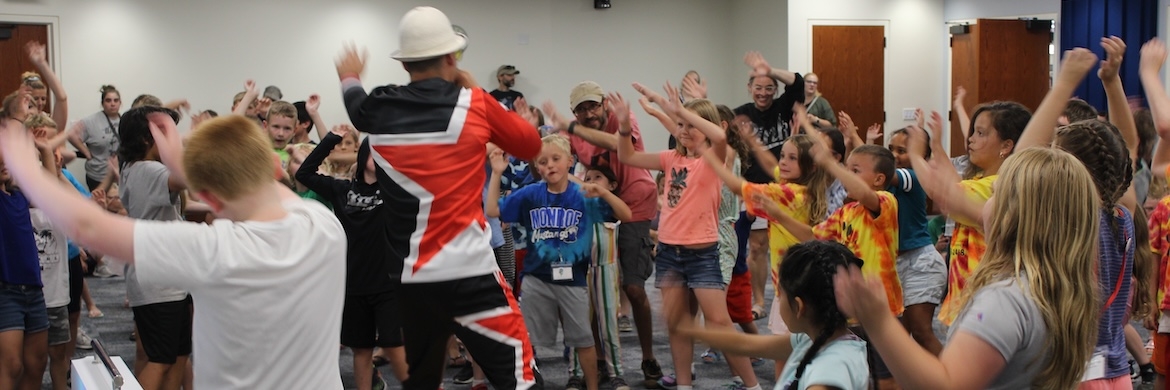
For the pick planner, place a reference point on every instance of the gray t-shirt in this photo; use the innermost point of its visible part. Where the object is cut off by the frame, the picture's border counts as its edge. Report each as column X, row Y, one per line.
column 145, row 195
column 1005, row 316
column 101, row 137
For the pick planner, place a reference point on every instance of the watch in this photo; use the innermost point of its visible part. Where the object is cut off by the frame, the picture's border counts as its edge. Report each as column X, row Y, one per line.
column 572, row 125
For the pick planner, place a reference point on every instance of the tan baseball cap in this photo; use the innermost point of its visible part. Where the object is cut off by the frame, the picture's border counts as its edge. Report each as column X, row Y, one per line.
column 506, row 69
column 586, row 91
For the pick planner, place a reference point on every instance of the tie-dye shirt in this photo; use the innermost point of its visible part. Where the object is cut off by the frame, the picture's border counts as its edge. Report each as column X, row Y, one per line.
column 967, row 247
column 1159, row 224
column 792, row 200
column 873, row 238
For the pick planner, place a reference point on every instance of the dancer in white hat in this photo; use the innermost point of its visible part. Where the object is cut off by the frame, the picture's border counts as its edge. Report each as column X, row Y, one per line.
column 428, row 139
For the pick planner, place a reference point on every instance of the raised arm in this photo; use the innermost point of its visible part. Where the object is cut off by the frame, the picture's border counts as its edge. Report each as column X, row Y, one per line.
column 308, row 175
column 1153, row 55
column 627, row 154
column 961, row 111
column 170, row 149
column 499, row 163
column 620, row 210
column 668, row 120
column 249, row 97
column 40, row 59
column 730, row 179
column 941, row 185
column 1077, row 63
column 857, row 188
column 747, row 132
column 313, row 106
column 1119, row 112
column 760, row 67
column 849, row 132
column 79, row 218
column 595, row 137
column 712, row 131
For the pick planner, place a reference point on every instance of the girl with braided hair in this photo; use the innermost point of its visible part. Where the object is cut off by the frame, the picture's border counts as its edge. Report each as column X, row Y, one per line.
column 1102, row 147
column 821, row 352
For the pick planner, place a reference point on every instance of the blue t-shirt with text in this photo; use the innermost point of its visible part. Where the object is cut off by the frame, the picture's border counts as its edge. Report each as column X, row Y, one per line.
column 559, row 227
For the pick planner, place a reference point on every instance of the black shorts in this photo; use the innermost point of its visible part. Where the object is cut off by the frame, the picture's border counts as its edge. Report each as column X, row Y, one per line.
column 76, row 278
column 164, row 330
column 634, row 246
column 370, row 320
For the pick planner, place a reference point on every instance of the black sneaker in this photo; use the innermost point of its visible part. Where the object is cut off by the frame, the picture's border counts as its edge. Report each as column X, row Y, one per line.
column 463, row 376
column 1147, row 373
column 378, row 382
column 618, row 383
column 575, row 383
column 651, row 373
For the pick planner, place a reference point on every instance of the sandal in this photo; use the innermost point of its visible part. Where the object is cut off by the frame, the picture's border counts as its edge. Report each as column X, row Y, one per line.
column 711, row 356
column 758, row 313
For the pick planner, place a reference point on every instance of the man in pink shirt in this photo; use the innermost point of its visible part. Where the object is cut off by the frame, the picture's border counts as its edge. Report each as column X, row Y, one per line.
column 593, row 137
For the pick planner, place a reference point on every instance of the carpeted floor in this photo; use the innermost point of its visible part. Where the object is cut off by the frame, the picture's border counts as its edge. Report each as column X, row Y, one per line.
column 114, row 330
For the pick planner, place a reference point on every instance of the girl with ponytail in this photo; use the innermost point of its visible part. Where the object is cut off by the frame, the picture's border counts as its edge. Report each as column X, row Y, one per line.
column 820, row 351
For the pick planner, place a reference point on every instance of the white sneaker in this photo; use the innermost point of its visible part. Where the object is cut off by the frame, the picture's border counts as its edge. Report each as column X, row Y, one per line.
column 103, row 272
column 83, row 340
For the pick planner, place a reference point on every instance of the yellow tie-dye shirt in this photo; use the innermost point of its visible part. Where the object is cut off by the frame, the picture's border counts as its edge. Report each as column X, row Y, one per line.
column 967, row 247
column 872, row 238
column 1159, row 224
column 792, row 200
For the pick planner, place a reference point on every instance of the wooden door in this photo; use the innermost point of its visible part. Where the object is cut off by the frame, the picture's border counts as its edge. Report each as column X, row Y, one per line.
column 999, row 60
column 850, row 61
column 14, row 60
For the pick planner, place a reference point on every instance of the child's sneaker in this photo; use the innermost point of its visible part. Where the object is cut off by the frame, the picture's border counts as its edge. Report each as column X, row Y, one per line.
column 670, row 382
column 463, row 376
column 735, row 385
column 651, row 374
column 624, row 324
column 575, row 383
column 379, row 383
column 481, row 386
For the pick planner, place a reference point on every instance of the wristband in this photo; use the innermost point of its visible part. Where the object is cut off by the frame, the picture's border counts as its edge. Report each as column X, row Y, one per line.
column 572, row 125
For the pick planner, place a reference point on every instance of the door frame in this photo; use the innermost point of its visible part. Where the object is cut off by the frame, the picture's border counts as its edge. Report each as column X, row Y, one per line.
column 54, row 24
column 885, row 23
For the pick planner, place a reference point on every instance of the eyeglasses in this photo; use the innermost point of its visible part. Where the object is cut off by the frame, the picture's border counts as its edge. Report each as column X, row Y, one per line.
column 114, row 100
column 587, row 107
column 768, row 89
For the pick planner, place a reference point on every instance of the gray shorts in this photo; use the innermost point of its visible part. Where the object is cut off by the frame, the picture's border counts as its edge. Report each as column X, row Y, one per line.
column 59, row 325
column 545, row 304
column 923, row 273
column 634, row 245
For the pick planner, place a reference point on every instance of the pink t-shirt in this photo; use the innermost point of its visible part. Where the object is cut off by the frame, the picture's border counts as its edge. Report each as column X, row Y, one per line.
column 636, row 186
column 689, row 213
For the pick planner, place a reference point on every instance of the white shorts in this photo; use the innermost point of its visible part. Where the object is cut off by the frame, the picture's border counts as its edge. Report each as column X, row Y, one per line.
column 923, row 274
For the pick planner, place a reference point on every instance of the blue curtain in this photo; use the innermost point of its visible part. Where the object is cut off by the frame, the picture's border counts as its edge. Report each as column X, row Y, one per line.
column 1084, row 22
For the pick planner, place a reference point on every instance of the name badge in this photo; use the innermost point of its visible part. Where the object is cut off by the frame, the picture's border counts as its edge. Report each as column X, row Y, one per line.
column 562, row 271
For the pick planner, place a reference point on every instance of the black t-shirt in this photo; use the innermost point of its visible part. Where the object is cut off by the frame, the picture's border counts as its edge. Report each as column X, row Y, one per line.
column 507, row 98
column 372, row 266
column 773, row 125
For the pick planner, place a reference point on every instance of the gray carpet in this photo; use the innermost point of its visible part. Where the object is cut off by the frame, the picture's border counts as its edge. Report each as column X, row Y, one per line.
column 114, row 330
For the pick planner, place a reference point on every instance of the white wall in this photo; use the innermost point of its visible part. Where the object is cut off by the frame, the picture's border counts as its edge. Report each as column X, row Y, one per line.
column 760, row 25
column 974, row 9
column 203, row 50
column 913, row 57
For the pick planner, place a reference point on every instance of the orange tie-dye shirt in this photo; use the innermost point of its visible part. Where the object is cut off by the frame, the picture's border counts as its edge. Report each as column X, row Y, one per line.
column 872, row 238
column 967, row 247
column 792, row 200
column 1159, row 223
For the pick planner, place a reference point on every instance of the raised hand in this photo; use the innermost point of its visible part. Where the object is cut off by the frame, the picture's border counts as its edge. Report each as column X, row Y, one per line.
column 857, row 296
column 1153, row 55
column 759, row 66
column 498, row 161
column 250, row 86
column 960, row 95
column 695, row 89
column 1114, row 53
column 919, row 117
column 846, row 123
column 466, row 80
column 1076, row 64
column 313, row 104
column 263, row 104
column 646, row 106
column 99, row 197
column 558, row 121
column 766, row 203
column 936, row 126
column 592, row 190
column 166, row 136
column 37, row 53
column 341, row 130
column 351, row 62
column 916, row 142
column 520, row 106
column 618, row 105
column 873, row 133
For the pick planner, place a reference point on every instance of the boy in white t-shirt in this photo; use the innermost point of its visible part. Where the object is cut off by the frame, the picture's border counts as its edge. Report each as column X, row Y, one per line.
column 253, row 274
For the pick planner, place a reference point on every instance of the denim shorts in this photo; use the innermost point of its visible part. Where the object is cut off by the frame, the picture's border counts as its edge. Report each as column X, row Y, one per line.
column 22, row 308
column 676, row 266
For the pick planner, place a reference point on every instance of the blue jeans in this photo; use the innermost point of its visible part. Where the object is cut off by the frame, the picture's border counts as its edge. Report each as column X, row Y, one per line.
column 22, row 308
column 697, row 268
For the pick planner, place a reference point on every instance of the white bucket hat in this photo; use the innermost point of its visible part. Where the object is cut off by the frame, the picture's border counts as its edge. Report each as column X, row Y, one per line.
column 424, row 33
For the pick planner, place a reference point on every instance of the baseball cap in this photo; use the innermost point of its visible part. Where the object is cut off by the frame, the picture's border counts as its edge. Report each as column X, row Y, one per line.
column 586, row 91
column 506, row 69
